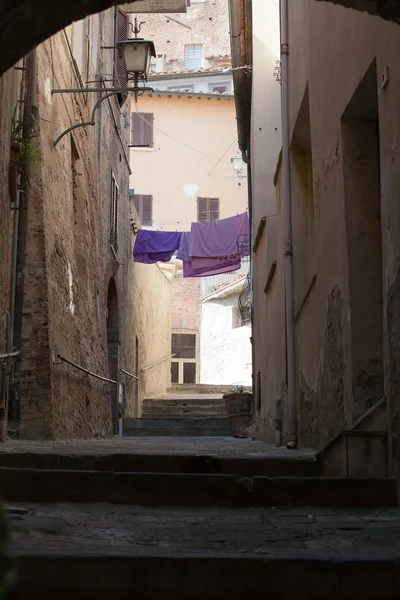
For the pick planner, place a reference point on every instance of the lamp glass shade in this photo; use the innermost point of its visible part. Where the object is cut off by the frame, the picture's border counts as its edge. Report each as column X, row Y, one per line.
column 237, row 163
column 137, row 56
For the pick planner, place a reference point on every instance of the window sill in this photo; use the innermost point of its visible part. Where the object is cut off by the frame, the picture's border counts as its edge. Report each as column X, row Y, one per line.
column 138, row 149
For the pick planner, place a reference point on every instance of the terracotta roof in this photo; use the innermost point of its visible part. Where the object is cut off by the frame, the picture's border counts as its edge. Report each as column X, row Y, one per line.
column 188, row 72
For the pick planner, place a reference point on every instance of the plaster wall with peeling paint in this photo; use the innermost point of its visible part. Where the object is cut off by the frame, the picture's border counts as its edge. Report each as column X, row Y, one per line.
column 344, row 128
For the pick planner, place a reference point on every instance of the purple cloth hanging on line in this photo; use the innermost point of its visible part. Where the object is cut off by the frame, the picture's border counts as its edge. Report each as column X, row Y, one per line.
column 214, row 239
column 184, row 247
column 214, row 246
column 227, row 267
column 155, row 246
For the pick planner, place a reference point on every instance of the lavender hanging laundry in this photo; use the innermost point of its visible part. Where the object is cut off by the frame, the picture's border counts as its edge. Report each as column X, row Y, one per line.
column 155, row 246
column 184, row 247
column 225, row 267
column 216, row 239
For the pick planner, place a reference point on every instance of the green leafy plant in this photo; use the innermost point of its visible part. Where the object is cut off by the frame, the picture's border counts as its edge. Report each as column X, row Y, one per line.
column 29, row 156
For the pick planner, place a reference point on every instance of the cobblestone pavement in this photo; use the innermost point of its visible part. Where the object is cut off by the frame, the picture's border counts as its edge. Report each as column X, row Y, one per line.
column 217, row 446
column 95, row 529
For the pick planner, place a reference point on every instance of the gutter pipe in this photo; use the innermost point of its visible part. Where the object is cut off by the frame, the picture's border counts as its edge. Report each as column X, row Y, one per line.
column 14, row 408
column 287, row 212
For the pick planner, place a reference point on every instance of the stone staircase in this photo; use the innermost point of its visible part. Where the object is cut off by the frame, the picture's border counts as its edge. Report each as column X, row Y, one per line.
column 185, row 410
column 133, row 523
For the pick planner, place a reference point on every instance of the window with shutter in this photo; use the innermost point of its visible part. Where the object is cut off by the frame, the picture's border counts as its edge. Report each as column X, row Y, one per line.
column 194, row 56
column 114, row 215
column 120, row 34
column 144, row 208
column 142, row 130
column 207, row 209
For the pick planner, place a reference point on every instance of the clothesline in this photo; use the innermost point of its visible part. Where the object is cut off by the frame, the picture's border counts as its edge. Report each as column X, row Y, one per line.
column 210, row 248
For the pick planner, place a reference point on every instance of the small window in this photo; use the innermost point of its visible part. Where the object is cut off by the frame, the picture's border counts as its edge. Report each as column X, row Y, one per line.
column 142, row 130
column 194, row 56
column 184, row 345
column 114, row 215
column 120, row 34
column 144, row 208
column 207, row 209
column 221, row 88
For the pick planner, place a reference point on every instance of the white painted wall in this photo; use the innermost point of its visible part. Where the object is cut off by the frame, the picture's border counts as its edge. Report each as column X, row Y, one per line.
column 225, row 353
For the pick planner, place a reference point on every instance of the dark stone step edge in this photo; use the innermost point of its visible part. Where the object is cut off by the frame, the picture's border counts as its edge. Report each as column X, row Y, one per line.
column 32, row 485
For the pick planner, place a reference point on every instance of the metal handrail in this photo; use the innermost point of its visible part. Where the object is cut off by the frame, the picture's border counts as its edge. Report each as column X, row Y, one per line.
column 157, row 363
column 129, row 374
column 73, row 364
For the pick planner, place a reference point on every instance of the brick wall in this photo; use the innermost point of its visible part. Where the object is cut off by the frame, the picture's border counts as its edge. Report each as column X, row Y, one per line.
column 186, row 305
column 204, row 23
column 70, row 264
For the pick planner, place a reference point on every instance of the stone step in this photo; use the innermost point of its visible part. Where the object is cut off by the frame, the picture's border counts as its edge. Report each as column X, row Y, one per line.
column 164, row 463
column 176, row 489
column 100, row 551
column 177, row 427
column 203, row 388
column 177, row 412
column 185, row 401
column 88, row 576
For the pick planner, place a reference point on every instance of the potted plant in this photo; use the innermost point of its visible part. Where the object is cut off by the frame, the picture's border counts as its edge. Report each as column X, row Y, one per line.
column 238, row 405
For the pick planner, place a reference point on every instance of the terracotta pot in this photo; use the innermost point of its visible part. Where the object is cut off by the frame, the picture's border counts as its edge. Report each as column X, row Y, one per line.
column 238, row 408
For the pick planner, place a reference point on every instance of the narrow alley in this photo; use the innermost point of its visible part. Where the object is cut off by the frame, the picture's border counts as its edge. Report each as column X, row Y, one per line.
column 200, row 299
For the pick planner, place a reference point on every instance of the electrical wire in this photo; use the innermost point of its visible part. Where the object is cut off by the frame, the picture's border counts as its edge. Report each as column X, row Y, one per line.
column 220, row 159
column 178, row 141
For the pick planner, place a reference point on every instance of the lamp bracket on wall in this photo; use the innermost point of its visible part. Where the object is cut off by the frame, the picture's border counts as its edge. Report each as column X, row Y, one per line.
column 277, row 71
column 108, row 93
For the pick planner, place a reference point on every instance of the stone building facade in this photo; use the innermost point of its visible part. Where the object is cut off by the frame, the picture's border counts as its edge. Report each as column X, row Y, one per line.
column 204, row 25
column 344, row 163
column 85, row 300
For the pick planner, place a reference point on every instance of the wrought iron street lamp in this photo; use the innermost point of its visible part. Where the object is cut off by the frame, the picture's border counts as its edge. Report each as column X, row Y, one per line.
column 136, row 53
column 237, row 164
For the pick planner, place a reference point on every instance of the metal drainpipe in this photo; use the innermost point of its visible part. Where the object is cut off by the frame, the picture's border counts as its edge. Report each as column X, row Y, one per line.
column 287, row 212
column 14, row 403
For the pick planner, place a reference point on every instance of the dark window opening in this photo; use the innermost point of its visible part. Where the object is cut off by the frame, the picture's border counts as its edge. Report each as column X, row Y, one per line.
column 184, row 345
column 114, row 214
column 189, row 372
column 175, row 372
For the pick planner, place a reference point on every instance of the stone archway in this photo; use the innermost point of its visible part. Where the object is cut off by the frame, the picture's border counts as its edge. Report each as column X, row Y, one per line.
column 40, row 19
column 113, row 349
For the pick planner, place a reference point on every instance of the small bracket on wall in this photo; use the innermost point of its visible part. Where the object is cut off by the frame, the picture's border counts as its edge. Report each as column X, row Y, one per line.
column 277, row 71
column 385, row 78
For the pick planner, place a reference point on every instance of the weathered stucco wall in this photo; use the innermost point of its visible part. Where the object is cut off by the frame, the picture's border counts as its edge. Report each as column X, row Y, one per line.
column 268, row 315
column 152, row 302
column 345, row 302
column 225, row 352
column 190, row 136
